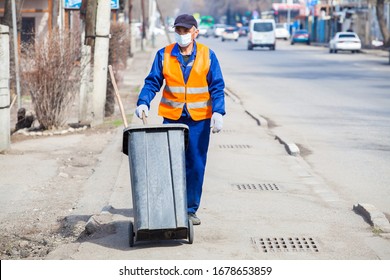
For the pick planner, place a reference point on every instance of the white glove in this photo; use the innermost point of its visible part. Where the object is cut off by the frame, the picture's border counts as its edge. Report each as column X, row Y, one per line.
column 142, row 108
column 216, row 122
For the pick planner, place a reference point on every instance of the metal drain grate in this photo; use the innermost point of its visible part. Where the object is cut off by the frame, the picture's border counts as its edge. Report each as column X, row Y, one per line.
column 228, row 131
column 235, row 146
column 257, row 187
column 289, row 244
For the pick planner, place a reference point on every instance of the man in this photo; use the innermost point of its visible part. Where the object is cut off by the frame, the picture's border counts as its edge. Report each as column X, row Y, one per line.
column 193, row 95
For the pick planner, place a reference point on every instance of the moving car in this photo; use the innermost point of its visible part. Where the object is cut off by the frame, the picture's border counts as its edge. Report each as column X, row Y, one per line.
column 281, row 31
column 230, row 33
column 300, row 36
column 345, row 41
column 243, row 31
column 218, row 29
column 261, row 33
column 204, row 31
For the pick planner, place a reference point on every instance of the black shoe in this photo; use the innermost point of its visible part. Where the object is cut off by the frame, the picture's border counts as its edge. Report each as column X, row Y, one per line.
column 195, row 220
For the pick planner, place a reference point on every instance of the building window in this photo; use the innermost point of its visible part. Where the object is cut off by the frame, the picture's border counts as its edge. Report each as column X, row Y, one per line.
column 28, row 30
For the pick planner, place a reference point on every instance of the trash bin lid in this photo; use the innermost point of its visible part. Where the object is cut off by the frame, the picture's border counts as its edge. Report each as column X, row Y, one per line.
column 152, row 128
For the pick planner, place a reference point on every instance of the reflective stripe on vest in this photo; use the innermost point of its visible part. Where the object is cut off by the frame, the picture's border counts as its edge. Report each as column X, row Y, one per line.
column 195, row 94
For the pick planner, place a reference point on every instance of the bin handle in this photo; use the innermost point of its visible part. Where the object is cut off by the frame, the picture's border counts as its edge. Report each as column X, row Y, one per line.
column 118, row 97
column 144, row 120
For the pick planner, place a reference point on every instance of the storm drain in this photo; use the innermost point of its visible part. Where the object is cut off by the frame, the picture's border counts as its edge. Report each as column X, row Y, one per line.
column 235, row 146
column 257, row 187
column 289, row 244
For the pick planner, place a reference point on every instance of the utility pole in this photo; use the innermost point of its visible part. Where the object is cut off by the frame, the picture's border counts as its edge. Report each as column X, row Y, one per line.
column 152, row 21
column 85, row 96
column 4, row 89
column 100, row 66
column 143, row 36
column 132, row 40
column 289, row 3
column 16, row 53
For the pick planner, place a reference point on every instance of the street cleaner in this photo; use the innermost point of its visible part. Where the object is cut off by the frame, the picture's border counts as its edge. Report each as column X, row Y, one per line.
column 193, row 95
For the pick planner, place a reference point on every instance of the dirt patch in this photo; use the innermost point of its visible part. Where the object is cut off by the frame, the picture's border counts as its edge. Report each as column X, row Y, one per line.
column 37, row 241
column 32, row 228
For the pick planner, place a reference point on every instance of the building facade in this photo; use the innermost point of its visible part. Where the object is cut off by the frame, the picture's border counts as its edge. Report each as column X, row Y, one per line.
column 38, row 17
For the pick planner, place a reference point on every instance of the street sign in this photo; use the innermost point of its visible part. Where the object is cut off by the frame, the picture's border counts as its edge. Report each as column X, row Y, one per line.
column 76, row 4
column 312, row 3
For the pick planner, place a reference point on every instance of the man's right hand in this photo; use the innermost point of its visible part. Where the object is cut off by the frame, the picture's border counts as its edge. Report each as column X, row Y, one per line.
column 141, row 108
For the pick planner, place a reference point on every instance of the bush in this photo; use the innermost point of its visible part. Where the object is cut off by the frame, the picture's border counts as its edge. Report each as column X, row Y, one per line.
column 51, row 73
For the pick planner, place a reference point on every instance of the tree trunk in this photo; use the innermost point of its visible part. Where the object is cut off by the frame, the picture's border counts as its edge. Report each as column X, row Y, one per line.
column 7, row 20
column 380, row 8
column 130, row 31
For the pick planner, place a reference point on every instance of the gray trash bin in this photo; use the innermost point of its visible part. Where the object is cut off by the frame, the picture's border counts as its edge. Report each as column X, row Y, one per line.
column 158, row 182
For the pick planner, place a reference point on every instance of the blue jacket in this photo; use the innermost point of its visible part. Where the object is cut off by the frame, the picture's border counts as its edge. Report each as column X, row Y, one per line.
column 154, row 81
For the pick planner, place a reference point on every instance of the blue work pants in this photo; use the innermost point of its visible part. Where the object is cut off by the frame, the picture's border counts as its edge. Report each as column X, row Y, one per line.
column 196, row 157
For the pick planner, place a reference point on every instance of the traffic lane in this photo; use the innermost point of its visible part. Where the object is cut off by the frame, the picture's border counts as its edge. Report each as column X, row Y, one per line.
column 334, row 105
column 341, row 90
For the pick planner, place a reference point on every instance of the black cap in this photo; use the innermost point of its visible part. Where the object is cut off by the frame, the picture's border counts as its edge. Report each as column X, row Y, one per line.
column 187, row 21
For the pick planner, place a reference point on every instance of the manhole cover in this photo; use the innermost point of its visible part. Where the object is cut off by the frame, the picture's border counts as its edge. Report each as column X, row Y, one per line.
column 257, row 187
column 283, row 244
column 235, row 146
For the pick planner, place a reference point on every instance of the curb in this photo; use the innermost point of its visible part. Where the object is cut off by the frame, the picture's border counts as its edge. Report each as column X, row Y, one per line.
column 373, row 216
column 291, row 148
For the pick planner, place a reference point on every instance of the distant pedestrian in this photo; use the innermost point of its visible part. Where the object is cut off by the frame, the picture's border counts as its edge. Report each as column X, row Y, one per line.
column 193, row 95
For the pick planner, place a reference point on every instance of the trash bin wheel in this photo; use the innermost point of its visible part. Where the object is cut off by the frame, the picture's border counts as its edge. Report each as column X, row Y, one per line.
column 131, row 234
column 190, row 232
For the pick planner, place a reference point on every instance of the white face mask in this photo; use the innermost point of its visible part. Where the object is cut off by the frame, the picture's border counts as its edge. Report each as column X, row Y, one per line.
column 183, row 40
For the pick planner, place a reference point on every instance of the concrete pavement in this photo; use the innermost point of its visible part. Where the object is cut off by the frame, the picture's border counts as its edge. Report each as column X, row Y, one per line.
column 259, row 202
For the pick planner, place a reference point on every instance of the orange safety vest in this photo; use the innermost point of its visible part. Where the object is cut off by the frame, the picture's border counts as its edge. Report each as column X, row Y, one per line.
column 195, row 93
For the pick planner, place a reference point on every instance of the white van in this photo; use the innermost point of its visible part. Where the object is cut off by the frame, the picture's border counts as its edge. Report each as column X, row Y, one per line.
column 261, row 34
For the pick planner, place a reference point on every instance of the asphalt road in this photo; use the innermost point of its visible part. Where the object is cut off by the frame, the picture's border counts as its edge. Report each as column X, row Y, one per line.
column 335, row 107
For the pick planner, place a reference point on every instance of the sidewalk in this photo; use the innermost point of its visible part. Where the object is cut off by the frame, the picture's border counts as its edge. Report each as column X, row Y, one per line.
column 258, row 202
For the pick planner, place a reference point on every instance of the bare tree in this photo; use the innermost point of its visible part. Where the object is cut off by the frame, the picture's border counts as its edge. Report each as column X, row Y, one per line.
column 51, row 73
column 117, row 57
column 380, row 12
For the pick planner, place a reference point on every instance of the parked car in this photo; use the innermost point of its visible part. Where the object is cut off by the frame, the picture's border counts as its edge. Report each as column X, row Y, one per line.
column 300, row 36
column 281, row 31
column 261, row 34
column 230, row 33
column 345, row 41
column 218, row 29
column 243, row 31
